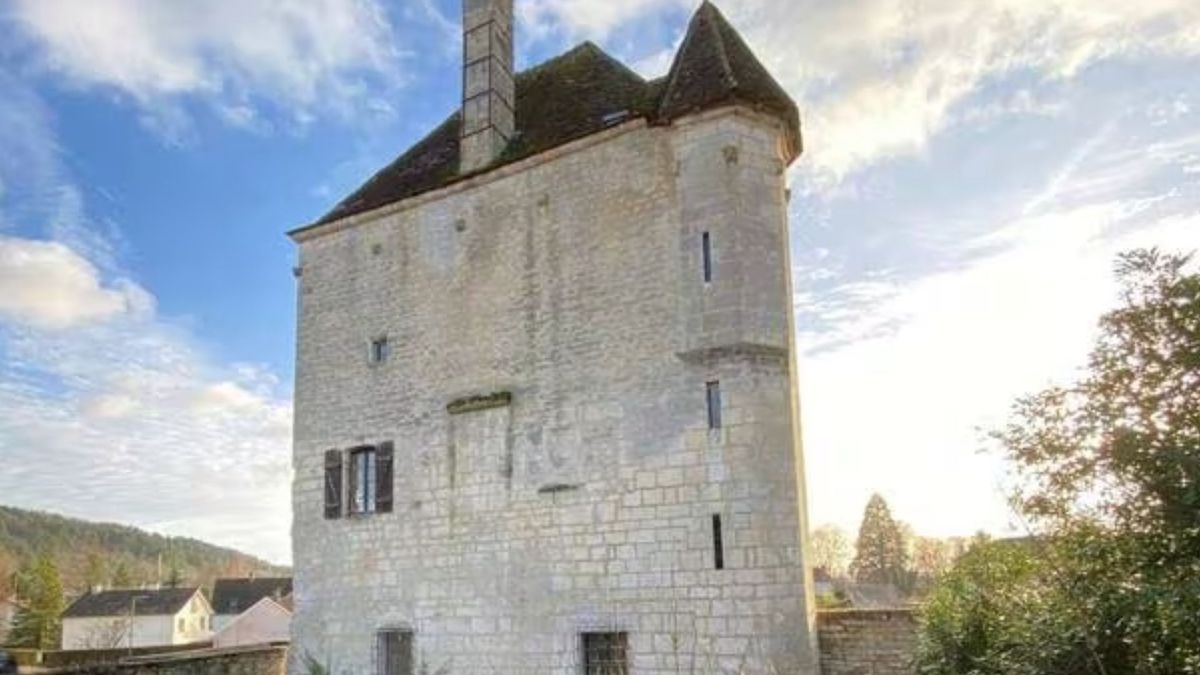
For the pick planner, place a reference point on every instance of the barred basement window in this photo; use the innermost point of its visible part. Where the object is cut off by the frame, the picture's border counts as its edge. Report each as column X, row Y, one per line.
column 395, row 649
column 605, row 653
column 713, row 399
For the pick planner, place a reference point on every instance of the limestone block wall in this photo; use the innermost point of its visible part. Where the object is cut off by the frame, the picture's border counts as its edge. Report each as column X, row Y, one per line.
column 867, row 641
column 586, row 502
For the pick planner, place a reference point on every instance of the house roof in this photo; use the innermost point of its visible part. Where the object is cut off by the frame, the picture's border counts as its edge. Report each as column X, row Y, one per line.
column 120, row 602
column 585, row 91
column 234, row 596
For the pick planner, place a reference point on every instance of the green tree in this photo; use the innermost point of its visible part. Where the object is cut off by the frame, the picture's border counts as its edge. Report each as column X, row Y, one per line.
column 879, row 552
column 95, row 571
column 174, row 573
column 37, row 623
column 121, row 576
column 1109, row 473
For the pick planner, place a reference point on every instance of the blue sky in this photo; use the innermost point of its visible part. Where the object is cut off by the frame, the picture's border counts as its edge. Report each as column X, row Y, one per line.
column 971, row 169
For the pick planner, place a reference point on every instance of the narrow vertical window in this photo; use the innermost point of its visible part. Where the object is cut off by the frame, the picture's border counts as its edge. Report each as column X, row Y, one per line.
column 380, row 350
column 718, row 545
column 395, row 652
column 707, row 252
column 605, row 653
column 713, row 392
column 362, row 480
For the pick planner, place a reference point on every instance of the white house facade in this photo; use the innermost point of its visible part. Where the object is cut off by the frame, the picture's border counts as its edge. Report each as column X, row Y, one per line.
column 137, row 618
column 234, row 596
column 266, row 622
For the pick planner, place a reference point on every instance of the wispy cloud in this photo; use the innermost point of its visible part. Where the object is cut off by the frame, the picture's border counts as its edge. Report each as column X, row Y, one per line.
column 109, row 410
column 933, row 357
column 297, row 59
column 878, row 79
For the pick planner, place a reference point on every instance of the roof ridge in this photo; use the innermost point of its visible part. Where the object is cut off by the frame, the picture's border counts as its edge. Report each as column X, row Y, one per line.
column 714, row 26
column 672, row 76
column 585, row 46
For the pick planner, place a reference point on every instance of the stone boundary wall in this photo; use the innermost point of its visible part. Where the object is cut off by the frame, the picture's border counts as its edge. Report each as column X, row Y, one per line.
column 93, row 657
column 257, row 660
column 867, row 641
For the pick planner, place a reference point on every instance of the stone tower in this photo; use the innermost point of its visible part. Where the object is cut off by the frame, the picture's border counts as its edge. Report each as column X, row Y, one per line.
column 546, row 409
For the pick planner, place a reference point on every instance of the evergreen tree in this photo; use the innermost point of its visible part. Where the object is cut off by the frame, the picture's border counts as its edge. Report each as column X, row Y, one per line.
column 37, row 623
column 880, row 556
column 174, row 573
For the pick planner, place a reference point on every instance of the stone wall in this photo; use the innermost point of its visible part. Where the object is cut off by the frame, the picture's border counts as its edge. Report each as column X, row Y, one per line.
column 259, row 660
column 867, row 641
column 572, row 282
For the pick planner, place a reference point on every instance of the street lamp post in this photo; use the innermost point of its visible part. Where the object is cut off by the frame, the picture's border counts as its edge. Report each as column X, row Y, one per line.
column 133, row 618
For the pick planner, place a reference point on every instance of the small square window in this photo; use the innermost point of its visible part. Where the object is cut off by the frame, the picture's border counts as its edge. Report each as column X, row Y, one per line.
column 605, row 653
column 380, row 350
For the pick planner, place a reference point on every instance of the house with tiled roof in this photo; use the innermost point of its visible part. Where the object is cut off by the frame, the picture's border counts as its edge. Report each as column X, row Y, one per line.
column 233, row 596
column 137, row 617
column 545, row 402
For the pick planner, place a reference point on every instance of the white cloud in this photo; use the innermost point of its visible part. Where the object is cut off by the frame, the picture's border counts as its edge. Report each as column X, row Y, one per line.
column 932, row 359
column 901, row 412
column 316, row 55
column 878, row 79
column 586, row 18
column 140, row 425
column 104, row 400
column 49, row 286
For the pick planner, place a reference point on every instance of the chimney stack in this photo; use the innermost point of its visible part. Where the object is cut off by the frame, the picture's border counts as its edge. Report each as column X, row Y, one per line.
column 488, row 120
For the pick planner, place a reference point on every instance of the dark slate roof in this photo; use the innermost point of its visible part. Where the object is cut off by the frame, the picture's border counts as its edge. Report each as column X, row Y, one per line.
column 714, row 66
column 120, row 602
column 573, row 95
column 234, row 596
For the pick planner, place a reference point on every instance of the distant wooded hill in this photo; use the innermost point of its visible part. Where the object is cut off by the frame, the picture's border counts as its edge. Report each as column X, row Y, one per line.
column 103, row 554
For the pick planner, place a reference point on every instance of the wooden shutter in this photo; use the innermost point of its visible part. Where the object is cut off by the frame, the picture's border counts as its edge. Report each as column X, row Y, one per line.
column 383, row 477
column 333, row 484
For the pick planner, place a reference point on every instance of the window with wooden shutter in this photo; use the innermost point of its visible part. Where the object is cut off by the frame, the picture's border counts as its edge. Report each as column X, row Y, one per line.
column 333, row 484
column 383, row 477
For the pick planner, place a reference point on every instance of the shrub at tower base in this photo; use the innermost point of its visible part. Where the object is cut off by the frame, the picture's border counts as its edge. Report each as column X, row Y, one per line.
column 1109, row 470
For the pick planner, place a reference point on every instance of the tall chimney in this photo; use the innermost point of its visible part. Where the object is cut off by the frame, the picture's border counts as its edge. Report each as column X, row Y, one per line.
column 488, row 89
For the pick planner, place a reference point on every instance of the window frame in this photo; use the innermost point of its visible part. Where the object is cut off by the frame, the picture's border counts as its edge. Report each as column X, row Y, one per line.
column 619, row 638
column 379, row 350
column 712, row 404
column 706, row 254
column 405, row 637
column 362, row 479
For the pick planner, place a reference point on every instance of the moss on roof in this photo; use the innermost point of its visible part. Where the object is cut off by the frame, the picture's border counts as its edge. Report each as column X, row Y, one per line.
column 585, row 91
